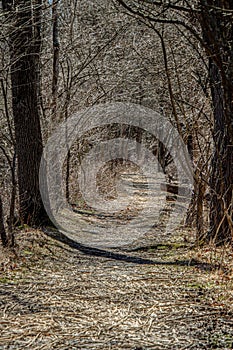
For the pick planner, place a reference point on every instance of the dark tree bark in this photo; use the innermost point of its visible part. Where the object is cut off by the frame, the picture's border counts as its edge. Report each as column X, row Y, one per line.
column 217, row 30
column 2, row 227
column 25, row 46
column 55, row 59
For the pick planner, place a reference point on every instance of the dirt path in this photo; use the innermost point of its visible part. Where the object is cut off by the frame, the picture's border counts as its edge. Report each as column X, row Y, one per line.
column 59, row 297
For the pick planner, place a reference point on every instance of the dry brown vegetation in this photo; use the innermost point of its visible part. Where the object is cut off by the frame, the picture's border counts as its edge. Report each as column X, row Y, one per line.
column 55, row 296
column 165, row 290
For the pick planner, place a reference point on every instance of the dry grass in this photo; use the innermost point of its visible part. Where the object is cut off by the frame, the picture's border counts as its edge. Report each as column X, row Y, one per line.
column 221, row 259
column 53, row 296
column 156, row 294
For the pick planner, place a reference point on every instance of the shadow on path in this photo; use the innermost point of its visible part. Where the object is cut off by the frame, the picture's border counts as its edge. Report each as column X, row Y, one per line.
column 96, row 252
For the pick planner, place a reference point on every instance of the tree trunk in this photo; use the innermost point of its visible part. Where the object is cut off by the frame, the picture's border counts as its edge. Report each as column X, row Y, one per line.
column 217, row 31
column 25, row 45
column 55, row 61
column 222, row 162
column 3, row 235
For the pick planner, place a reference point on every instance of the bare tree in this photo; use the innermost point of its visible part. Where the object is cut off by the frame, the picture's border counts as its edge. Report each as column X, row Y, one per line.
column 2, row 227
column 103, row 55
column 217, row 27
column 55, row 77
column 24, row 21
column 210, row 23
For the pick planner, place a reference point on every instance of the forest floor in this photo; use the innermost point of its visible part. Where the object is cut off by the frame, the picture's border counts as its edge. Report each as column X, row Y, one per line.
column 58, row 295
column 158, row 292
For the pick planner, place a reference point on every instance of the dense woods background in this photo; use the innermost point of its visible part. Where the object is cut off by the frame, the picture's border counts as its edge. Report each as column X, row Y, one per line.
column 172, row 56
column 165, row 290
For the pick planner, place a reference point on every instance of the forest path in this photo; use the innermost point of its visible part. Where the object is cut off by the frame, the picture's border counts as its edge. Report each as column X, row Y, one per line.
column 58, row 297
column 127, row 209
